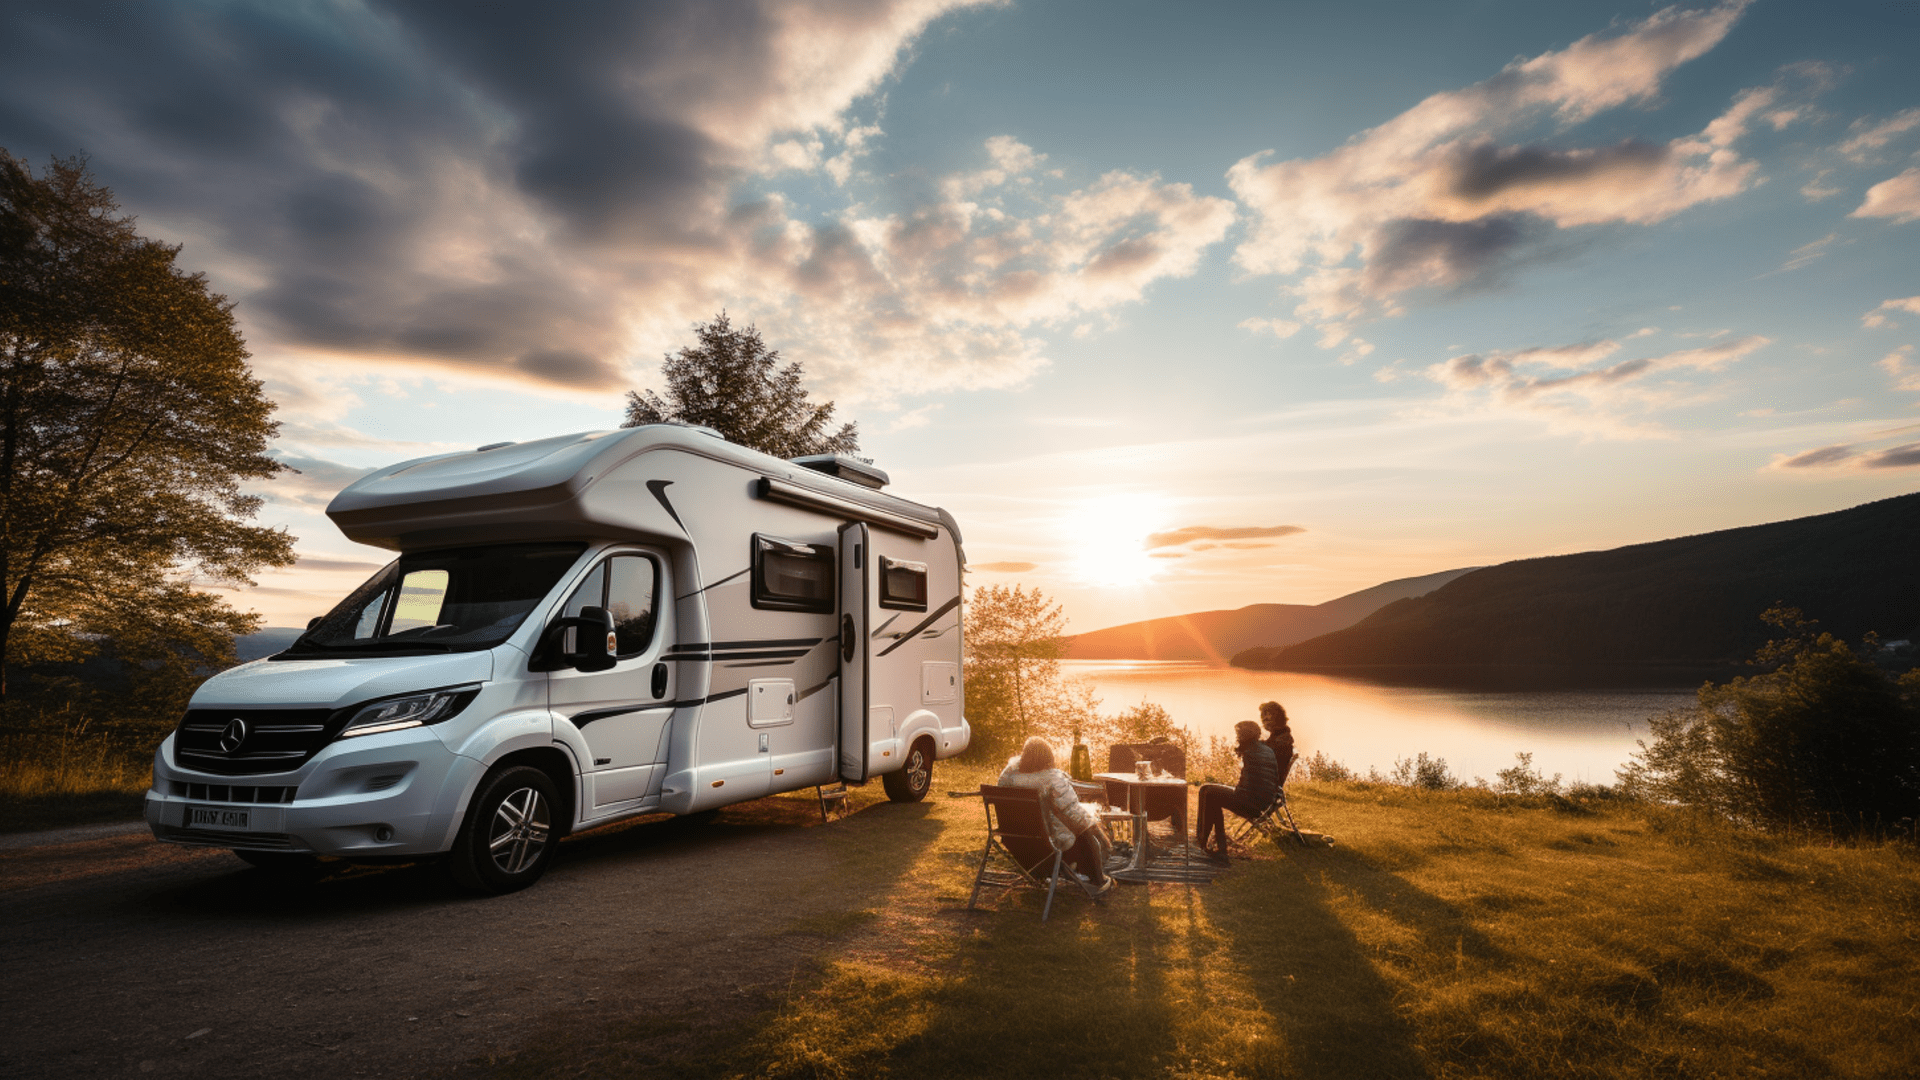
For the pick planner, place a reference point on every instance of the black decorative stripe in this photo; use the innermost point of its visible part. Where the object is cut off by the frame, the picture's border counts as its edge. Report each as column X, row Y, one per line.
column 715, row 585
column 762, row 663
column 659, row 489
column 766, row 643
column 581, row 720
column 812, row 690
column 924, row 623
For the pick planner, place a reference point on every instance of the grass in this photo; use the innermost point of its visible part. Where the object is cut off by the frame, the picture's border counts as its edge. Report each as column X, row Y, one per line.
column 1446, row 934
column 71, row 777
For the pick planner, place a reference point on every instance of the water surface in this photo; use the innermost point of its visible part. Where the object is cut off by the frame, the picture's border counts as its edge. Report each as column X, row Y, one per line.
column 1582, row 734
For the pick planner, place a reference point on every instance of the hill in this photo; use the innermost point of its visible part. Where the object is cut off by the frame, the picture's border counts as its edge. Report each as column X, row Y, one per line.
column 1670, row 611
column 1216, row 635
column 265, row 642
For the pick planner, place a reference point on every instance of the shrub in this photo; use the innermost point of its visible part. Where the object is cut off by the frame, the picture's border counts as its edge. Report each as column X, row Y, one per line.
column 1826, row 737
column 1422, row 772
column 1524, row 780
column 1321, row 767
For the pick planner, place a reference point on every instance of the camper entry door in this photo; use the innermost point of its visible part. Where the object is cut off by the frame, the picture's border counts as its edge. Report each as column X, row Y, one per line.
column 856, row 543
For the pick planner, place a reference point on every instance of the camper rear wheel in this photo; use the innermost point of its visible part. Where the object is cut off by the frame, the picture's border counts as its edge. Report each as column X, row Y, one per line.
column 915, row 777
column 508, row 836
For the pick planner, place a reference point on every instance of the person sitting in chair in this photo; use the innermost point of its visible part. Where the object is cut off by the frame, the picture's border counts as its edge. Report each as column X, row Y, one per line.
column 1273, row 717
column 1072, row 825
column 1259, row 782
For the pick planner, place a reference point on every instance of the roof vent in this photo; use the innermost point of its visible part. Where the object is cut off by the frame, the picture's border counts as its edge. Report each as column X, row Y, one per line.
column 492, row 446
column 845, row 468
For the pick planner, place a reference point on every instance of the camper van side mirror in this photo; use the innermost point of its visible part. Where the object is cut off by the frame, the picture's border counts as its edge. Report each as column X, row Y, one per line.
column 593, row 648
column 594, row 644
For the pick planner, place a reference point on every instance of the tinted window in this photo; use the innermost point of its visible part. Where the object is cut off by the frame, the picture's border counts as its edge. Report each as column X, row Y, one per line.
column 903, row 584
column 791, row 576
column 450, row 600
column 624, row 586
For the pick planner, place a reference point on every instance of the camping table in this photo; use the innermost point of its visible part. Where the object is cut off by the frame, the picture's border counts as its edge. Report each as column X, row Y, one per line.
column 1137, row 806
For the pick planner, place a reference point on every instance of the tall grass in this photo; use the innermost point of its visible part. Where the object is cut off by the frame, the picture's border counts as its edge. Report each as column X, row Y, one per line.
column 60, row 768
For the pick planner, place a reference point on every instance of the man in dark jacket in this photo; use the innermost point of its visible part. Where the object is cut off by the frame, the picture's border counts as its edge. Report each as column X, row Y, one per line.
column 1259, row 782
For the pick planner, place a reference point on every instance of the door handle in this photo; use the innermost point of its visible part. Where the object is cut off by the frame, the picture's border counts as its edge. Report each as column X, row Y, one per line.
column 849, row 639
column 659, row 681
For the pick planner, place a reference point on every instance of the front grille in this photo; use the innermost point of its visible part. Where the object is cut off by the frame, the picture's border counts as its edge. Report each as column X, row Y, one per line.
column 275, row 740
column 233, row 793
column 261, row 841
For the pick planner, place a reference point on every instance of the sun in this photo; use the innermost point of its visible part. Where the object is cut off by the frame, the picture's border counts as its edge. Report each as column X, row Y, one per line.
column 1107, row 538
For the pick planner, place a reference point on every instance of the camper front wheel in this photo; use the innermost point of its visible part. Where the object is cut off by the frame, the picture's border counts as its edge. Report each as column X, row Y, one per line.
column 915, row 777
column 508, row 838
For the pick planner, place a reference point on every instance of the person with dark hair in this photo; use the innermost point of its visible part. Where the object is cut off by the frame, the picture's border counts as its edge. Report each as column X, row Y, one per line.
column 1073, row 827
column 1259, row 782
column 1273, row 717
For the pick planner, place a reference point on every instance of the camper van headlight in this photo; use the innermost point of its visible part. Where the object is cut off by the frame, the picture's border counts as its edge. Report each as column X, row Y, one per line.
column 414, row 710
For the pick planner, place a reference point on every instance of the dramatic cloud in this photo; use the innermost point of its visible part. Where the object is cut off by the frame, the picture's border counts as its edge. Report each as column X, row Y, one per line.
column 1880, row 316
column 312, row 483
column 1821, row 458
column 1432, row 200
column 1898, row 198
column 1576, row 386
column 521, row 192
column 1895, row 457
column 1004, row 567
column 1190, row 533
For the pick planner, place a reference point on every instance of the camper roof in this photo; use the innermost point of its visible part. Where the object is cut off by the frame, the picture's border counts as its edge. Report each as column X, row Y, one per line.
column 539, row 487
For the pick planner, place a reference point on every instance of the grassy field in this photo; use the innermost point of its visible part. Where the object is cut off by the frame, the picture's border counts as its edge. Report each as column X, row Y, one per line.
column 52, row 779
column 1445, row 934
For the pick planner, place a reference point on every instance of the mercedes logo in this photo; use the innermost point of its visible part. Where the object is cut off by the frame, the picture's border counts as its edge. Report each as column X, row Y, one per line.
column 233, row 736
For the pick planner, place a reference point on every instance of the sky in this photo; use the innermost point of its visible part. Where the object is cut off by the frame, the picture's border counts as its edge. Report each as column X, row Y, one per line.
column 1176, row 307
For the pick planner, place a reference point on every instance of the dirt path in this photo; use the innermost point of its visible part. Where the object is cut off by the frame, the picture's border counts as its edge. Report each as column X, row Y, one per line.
column 128, row 957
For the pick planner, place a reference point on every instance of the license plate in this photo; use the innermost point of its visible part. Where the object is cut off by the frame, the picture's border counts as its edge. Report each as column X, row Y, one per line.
column 213, row 817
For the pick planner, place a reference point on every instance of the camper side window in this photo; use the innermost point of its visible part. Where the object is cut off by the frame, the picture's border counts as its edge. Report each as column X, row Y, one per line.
column 625, row 586
column 903, row 584
column 791, row 576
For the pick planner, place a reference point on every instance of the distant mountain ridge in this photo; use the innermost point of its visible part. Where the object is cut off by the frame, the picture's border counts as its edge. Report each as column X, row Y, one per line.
column 1216, row 636
column 1664, row 611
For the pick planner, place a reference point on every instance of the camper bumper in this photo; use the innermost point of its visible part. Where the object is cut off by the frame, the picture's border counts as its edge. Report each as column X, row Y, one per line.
column 382, row 795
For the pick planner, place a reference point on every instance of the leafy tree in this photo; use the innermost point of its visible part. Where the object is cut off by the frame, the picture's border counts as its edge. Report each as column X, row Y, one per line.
column 1825, row 736
column 128, row 419
column 732, row 383
column 1014, row 642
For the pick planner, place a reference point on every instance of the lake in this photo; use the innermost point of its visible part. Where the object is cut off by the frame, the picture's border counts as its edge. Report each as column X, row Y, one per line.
column 1582, row 734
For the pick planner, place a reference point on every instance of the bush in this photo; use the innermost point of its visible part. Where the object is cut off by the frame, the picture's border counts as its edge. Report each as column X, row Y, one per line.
column 1825, row 737
column 1524, row 780
column 1424, row 773
column 1321, row 767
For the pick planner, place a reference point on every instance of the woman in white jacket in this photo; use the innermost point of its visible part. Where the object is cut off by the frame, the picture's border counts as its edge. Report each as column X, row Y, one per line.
column 1071, row 824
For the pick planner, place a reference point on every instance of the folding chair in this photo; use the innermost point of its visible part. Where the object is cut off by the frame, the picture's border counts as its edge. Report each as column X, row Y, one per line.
column 1017, row 829
column 1273, row 821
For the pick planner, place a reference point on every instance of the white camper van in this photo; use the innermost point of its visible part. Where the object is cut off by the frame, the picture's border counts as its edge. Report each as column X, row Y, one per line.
column 579, row 630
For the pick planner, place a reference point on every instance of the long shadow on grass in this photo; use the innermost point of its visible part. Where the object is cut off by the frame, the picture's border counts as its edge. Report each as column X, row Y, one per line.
column 1333, row 1010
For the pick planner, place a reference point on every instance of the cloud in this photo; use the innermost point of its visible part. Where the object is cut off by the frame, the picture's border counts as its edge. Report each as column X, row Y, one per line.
column 1878, row 316
column 1004, row 567
column 1868, row 138
column 1898, row 365
column 1898, row 198
column 1432, row 199
column 1579, row 387
column 1851, row 457
column 1896, row 457
column 520, row 193
column 1280, row 328
column 356, row 566
column 1807, row 253
column 1190, row 533
column 314, row 481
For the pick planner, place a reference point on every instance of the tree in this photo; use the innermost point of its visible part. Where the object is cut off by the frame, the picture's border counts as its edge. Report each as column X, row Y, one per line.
column 1014, row 642
column 1825, row 736
column 732, row 383
column 128, row 420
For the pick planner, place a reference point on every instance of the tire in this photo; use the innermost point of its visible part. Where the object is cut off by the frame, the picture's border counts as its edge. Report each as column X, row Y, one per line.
column 508, row 836
column 915, row 777
column 280, row 863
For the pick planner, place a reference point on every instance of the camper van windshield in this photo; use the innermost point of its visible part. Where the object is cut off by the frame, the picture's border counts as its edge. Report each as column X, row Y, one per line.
column 453, row 600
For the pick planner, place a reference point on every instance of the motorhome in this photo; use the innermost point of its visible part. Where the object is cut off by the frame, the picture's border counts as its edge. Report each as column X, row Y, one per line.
column 579, row 630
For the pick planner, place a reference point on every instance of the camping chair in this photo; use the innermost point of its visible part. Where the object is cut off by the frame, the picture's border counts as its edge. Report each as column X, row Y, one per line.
column 1276, row 818
column 1017, row 829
